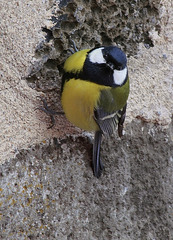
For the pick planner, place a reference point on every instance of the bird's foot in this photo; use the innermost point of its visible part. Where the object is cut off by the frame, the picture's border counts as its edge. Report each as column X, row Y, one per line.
column 48, row 111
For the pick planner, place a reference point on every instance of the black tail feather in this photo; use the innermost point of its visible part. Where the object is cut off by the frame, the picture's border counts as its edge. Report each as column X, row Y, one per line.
column 97, row 164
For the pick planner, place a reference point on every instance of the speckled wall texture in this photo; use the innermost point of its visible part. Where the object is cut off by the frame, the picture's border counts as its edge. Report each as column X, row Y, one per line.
column 47, row 188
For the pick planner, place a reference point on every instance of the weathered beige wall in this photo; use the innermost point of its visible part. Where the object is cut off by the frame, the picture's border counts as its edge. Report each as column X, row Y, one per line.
column 47, row 189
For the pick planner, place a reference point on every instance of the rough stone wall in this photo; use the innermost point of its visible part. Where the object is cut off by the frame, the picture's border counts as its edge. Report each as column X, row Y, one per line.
column 47, row 189
column 92, row 23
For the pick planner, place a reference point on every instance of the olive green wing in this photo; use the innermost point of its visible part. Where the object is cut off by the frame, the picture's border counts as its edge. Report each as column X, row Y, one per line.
column 108, row 116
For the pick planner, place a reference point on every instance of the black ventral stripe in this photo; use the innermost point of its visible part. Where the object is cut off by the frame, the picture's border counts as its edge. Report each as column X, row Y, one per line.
column 69, row 75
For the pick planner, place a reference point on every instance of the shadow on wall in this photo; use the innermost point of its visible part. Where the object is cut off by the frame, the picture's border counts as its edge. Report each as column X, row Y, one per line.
column 49, row 190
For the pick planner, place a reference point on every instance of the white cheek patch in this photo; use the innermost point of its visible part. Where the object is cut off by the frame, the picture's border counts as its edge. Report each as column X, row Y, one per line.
column 96, row 56
column 119, row 76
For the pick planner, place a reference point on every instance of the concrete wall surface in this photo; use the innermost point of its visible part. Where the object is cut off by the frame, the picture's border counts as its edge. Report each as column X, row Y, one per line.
column 47, row 188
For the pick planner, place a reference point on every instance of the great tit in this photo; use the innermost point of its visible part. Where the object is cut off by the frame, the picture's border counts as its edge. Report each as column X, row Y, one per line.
column 94, row 93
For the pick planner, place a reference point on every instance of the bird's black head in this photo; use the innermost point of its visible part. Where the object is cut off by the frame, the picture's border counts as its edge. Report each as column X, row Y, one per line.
column 115, row 58
column 106, row 66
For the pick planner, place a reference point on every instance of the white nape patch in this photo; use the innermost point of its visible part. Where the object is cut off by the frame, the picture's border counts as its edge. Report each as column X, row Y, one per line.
column 119, row 76
column 96, row 56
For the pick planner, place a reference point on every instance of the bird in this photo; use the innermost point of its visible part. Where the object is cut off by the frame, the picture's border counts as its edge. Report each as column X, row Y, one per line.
column 94, row 93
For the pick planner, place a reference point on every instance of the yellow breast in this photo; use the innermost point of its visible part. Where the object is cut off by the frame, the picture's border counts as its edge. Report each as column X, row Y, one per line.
column 79, row 99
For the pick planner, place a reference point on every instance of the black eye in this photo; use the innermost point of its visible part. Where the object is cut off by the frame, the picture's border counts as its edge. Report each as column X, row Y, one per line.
column 105, row 56
column 119, row 67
